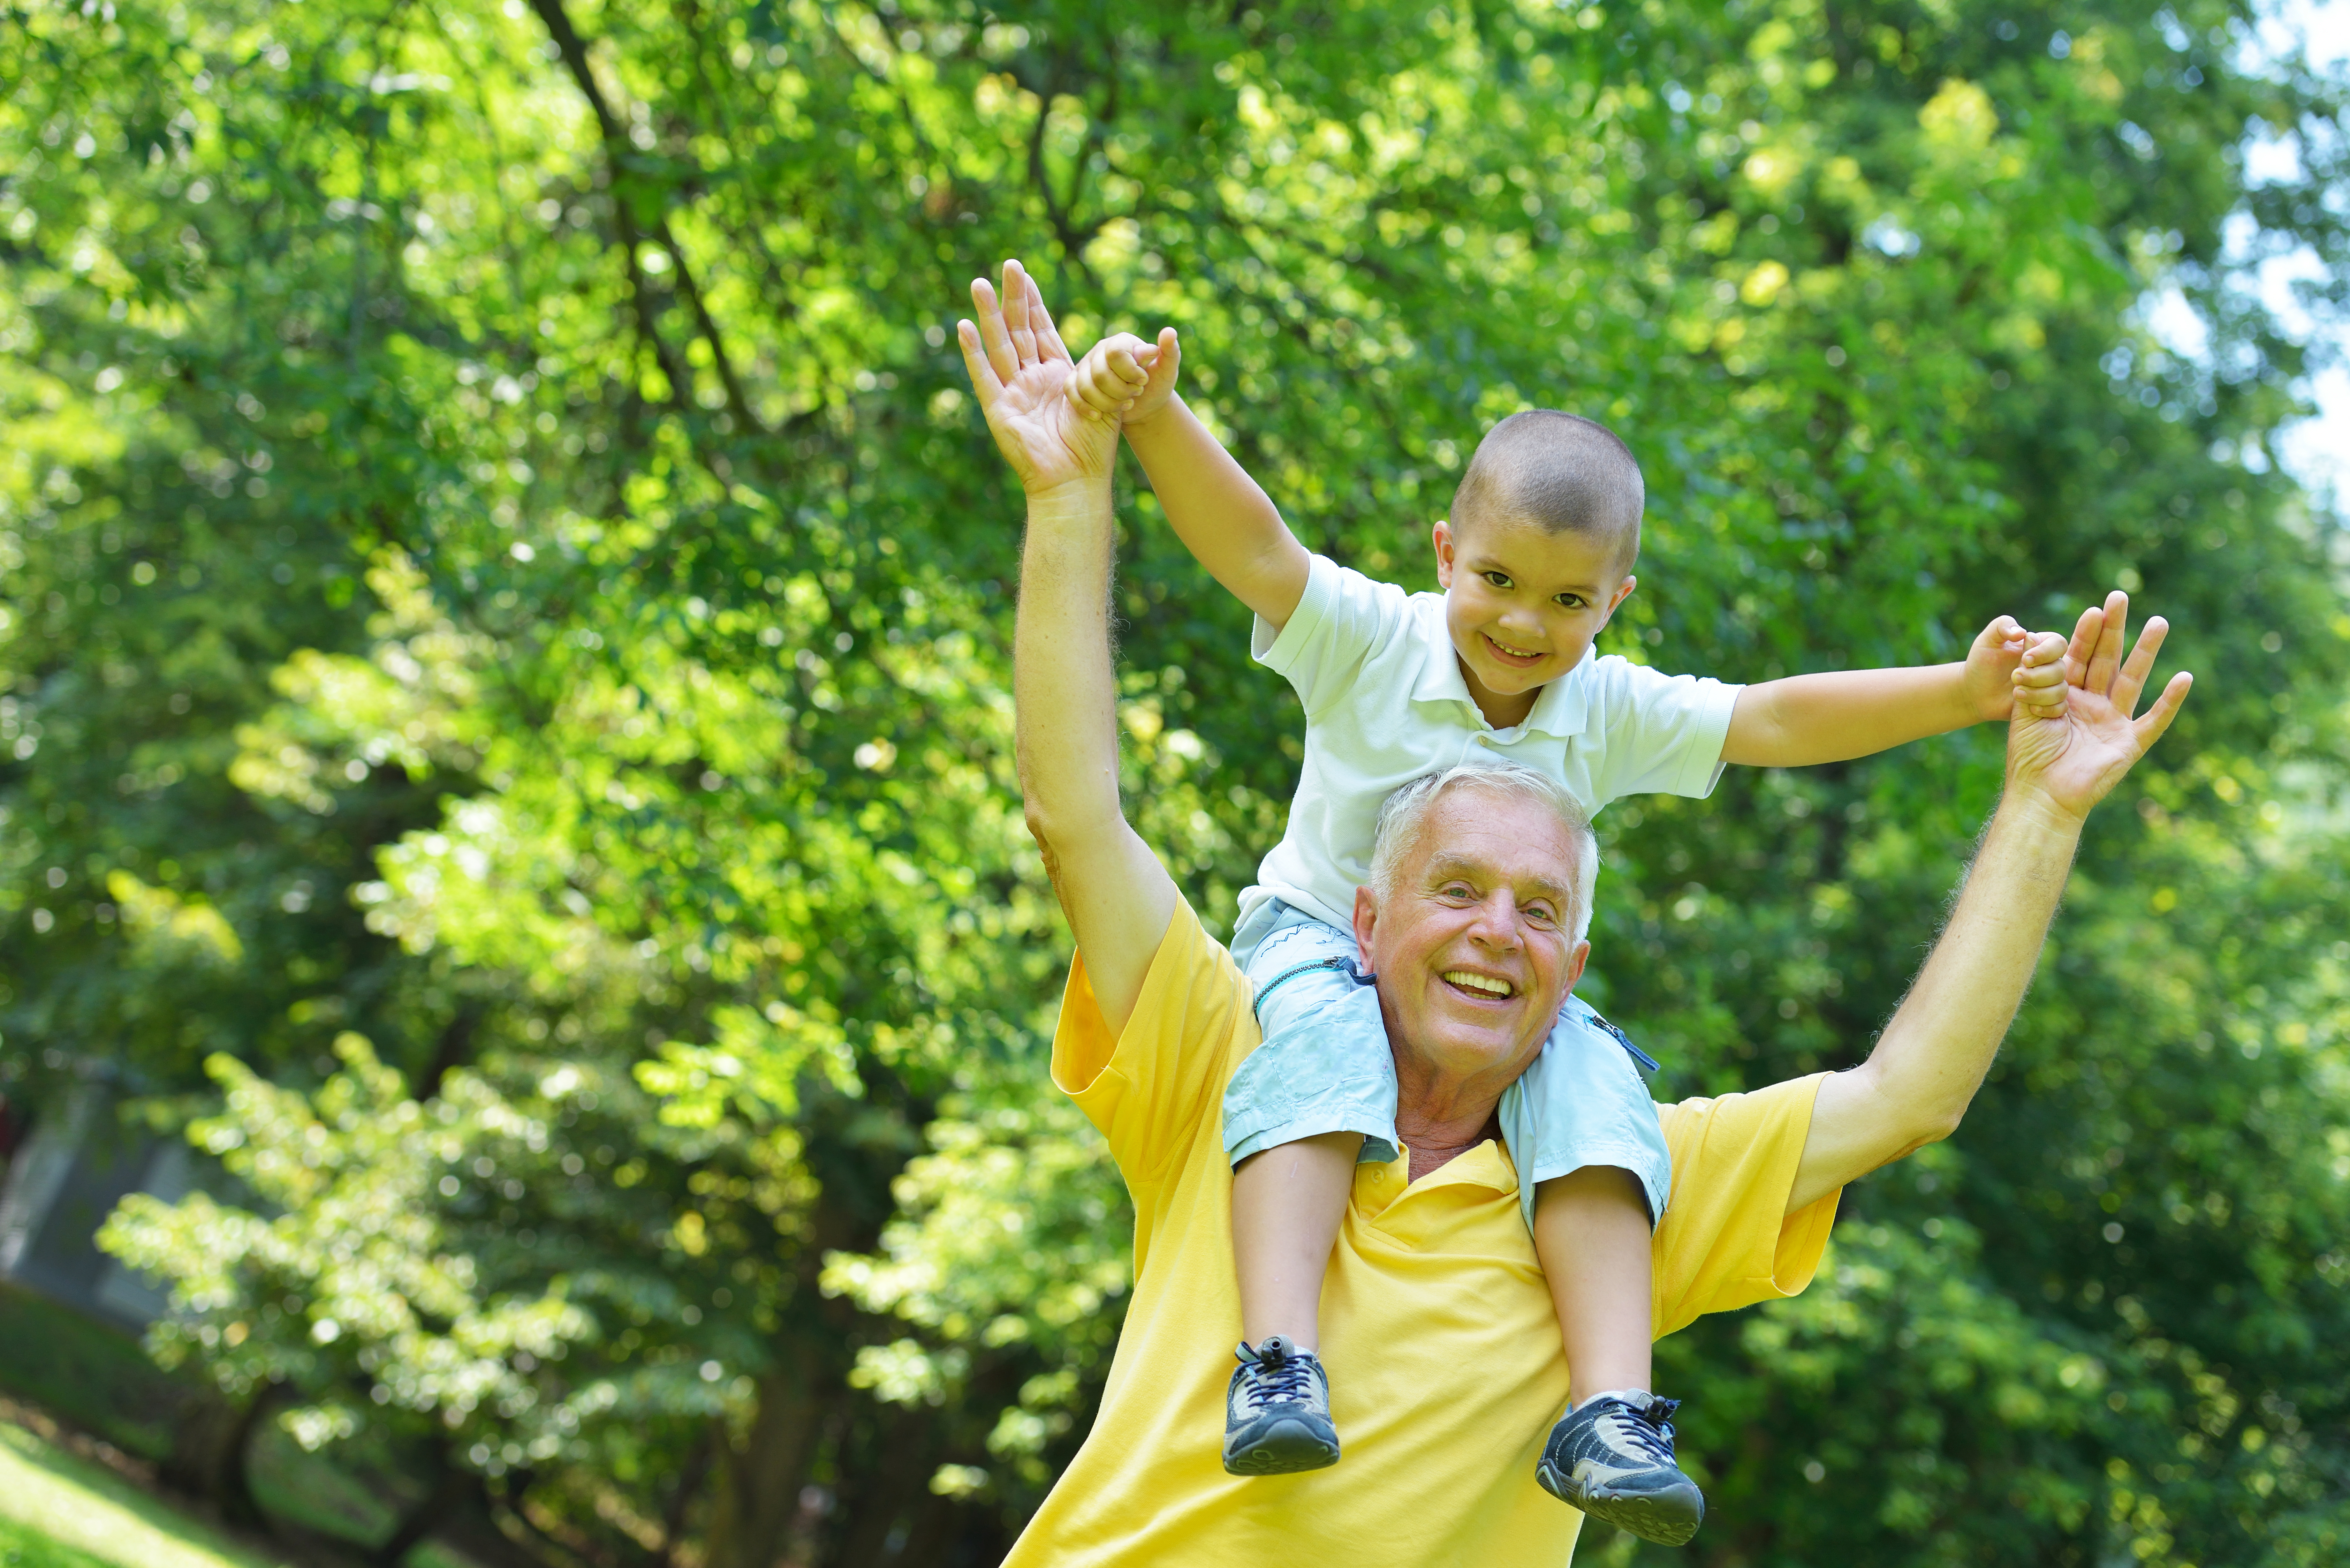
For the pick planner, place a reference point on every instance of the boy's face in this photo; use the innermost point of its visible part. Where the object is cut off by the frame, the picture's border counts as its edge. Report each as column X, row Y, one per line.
column 1522, row 603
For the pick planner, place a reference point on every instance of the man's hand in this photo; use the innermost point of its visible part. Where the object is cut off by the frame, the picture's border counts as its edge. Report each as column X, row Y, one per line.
column 1024, row 377
column 2071, row 758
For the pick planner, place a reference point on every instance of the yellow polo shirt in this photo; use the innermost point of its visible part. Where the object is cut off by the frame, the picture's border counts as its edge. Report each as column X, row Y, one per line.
column 1444, row 1355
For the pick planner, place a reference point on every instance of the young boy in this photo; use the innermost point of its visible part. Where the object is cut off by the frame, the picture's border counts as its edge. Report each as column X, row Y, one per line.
column 1534, row 558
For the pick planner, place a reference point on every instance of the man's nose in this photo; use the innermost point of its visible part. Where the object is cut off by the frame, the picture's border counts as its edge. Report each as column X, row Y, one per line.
column 1496, row 925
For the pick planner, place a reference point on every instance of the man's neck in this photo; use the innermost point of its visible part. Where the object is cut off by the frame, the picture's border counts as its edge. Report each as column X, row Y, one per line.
column 1434, row 1141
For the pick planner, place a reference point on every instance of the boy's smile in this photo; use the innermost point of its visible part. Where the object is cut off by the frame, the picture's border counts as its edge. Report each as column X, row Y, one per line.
column 1521, row 604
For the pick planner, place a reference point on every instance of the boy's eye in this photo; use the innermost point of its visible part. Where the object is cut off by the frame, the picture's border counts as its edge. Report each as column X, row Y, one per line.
column 1499, row 579
column 1571, row 601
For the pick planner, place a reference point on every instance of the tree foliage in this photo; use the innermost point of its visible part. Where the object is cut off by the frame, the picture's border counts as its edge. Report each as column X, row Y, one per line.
column 505, row 704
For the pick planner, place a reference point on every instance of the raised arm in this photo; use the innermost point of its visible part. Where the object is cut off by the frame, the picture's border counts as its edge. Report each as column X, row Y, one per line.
column 1118, row 898
column 1833, row 717
column 1931, row 1059
column 1224, row 518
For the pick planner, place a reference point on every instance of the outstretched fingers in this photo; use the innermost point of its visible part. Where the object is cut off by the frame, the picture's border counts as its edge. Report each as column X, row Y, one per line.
column 1049, row 336
column 2151, row 725
column 2131, row 681
column 2107, row 655
column 1018, row 291
column 2084, row 643
column 993, row 336
column 985, row 384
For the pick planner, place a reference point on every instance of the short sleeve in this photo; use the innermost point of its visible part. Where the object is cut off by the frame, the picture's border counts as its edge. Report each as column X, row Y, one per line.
column 1343, row 618
column 1727, row 1240
column 1663, row 733
column 1156, row 1089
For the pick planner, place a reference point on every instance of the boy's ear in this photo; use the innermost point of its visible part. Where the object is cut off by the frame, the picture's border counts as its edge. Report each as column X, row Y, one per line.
column 1623, row 591
column 1442, row 534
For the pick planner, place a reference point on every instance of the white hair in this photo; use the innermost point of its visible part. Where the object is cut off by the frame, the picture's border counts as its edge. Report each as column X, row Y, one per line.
column 1404, row 811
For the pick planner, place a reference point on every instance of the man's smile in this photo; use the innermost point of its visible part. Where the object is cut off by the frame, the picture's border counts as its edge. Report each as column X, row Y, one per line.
column 1481, row 986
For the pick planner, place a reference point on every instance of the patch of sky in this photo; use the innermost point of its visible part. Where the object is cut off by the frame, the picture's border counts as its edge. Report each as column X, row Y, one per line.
column 2315, row 450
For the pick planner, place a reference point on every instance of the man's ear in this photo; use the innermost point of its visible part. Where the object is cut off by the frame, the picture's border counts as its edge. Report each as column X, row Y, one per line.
column 1575, row 967
column 1366, row 916
column 1442, row 534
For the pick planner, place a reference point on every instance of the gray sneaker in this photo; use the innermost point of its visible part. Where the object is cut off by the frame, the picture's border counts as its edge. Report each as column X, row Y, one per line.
column 1612, row 1456
column 1277, row 1412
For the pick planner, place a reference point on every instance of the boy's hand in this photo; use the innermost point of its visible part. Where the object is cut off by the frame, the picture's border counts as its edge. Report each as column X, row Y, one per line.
column 1158, row 390
column 1024, row 380
column 1117, row 374
column 2008, row 665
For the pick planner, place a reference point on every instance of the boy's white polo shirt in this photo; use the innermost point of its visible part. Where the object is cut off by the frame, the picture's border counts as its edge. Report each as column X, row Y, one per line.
column 1385, row 702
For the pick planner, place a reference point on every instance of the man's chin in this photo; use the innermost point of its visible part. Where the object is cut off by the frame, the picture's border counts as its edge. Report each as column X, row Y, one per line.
column 1491, row 1039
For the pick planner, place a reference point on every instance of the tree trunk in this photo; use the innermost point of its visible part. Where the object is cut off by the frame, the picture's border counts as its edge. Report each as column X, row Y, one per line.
column 420, row 1521
column 228, row 1480
column 756, row 1494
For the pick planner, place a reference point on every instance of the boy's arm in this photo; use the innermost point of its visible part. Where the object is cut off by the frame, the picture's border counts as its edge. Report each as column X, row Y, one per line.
column 1834, row 717
column 1222, row 515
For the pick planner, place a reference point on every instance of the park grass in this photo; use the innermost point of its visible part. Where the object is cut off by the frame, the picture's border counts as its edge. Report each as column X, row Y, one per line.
column 58, row 1511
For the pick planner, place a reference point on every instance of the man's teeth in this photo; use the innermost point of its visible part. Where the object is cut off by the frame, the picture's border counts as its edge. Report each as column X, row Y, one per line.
column 1461, row 977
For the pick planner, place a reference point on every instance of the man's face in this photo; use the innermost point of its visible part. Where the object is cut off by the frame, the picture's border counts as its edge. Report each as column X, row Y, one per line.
column 1474, row 945
column 1521, row 603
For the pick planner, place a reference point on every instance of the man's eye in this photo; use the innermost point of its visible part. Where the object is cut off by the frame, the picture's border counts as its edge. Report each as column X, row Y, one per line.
column 1457, row 890
column 1542, row 914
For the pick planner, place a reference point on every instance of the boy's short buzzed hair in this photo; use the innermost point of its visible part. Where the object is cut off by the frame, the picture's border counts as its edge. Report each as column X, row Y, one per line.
column 1567, row 473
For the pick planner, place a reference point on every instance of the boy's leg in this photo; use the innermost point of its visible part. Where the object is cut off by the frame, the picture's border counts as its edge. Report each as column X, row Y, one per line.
column 1591, row 1232
column 1595, row 1174
column 1311, row 1101
column 1287, row 1202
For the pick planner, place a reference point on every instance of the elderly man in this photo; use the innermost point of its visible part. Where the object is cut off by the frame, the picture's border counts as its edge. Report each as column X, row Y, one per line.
column 1433, row 1300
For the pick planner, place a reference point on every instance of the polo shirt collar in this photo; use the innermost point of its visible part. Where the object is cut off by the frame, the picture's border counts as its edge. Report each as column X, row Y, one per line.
column 1562, row 711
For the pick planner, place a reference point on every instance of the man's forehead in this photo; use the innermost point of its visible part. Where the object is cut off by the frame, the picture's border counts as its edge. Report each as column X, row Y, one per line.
column 1497, row 837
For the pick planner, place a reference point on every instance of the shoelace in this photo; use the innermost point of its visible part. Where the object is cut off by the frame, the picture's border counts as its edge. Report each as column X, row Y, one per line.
column 1281, row 1380
column 1647, row 1430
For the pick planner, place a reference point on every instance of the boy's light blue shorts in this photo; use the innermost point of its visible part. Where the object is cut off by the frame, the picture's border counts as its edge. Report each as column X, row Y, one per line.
column 1325, row 1067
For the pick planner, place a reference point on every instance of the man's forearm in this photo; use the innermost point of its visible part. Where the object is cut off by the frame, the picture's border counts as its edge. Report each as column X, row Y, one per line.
column 1116, row 896
column 1223, row 516
column 1834, row 717
column 1933, row 1055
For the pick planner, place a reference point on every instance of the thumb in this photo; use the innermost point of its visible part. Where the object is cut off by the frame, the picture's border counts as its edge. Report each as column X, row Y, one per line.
column 1165, row 359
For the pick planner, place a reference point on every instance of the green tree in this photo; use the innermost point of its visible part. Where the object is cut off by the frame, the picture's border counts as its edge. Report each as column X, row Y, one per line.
column 507, row 648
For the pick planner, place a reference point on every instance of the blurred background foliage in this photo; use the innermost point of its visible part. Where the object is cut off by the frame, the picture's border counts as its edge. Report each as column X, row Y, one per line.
column 504, row 721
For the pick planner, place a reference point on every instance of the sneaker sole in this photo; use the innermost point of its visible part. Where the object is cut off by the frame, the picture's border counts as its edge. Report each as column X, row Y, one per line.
column 1283, row 1448
column 1668, row 1518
